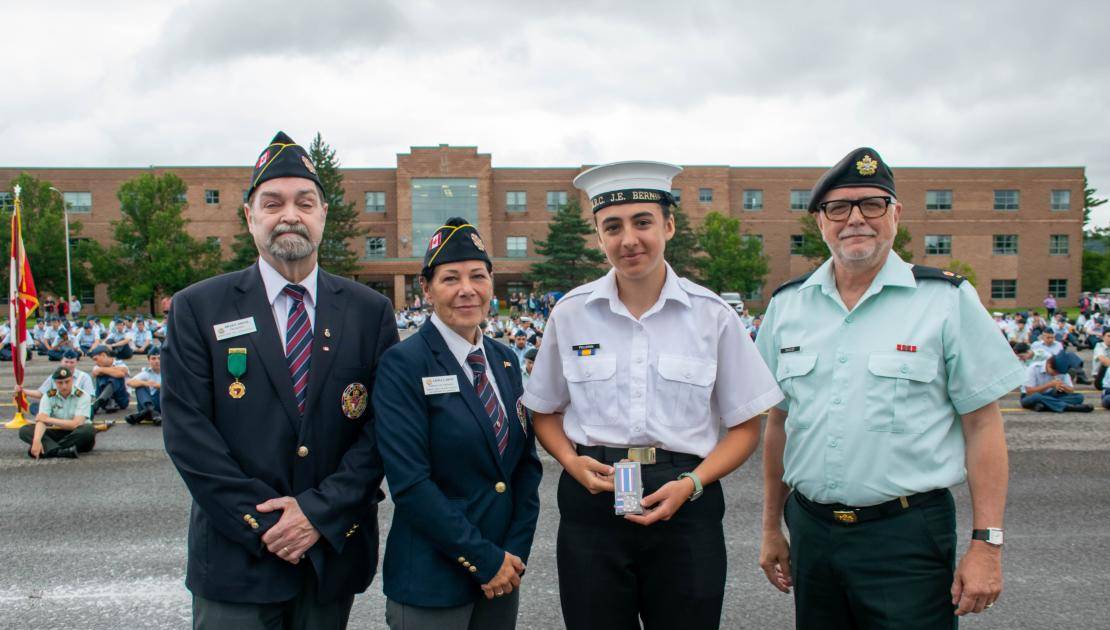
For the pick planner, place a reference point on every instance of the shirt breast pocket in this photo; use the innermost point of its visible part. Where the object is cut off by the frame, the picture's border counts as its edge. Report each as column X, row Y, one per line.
column 684, row 388
column 899, row 395
column 796, row 380
column 593, row 385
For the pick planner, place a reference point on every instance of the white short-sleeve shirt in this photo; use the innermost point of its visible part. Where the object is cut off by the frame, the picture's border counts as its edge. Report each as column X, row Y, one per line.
column 669, row 379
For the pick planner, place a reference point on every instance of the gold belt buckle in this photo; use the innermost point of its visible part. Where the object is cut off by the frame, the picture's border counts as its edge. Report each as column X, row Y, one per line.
column 643, row 454
column 845, row 516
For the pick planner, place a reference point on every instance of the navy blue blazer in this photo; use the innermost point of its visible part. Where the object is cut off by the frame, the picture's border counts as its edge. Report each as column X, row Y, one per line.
column 460, row 505
column 236, row 453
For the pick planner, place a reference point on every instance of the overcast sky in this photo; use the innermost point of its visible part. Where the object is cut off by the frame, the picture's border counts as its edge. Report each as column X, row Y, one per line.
column 560, row 83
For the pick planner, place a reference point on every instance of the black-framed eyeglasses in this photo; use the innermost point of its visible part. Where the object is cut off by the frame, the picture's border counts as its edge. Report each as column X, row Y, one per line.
column 869, row 207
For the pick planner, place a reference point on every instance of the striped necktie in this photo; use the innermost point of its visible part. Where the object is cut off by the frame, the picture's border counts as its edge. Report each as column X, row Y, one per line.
column 497, row 417
column 298, row 342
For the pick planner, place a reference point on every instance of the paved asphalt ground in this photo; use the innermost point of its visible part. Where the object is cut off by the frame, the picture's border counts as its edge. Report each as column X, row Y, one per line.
column 100, row 542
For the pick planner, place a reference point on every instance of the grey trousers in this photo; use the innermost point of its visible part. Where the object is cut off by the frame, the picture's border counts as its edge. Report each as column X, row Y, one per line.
column 303, row 612
column 498, row 613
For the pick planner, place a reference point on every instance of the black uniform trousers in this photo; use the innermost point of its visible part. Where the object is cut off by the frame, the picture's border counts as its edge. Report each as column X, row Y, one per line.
column 303, row 612
column 83, row 437
column 893, row 572
column 614, row 573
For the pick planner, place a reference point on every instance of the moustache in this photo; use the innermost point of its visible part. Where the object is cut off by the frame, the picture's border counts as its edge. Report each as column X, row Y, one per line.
column 284, row 228
column 851, row 233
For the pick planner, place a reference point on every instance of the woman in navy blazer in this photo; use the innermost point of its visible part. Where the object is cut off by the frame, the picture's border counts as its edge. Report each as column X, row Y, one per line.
column 459, row 454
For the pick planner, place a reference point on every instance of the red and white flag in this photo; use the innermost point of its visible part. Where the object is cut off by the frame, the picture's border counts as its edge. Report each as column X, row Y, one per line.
column 22, row 300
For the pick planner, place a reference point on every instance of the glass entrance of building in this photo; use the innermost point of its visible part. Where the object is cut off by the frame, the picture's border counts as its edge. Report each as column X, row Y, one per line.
column 436, row 200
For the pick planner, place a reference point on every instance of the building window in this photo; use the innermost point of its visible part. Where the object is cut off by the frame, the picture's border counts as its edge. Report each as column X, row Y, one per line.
column 516, row 246
column 1003, row 289
column 211, row 197
column 78, row 201
column 752, row 237
column 677, row 194
column 7, row 201
column 797, row 242
column 938, row 199
column 1058, row 287
column 1061, row 200
column 938, row 244
column 375, row 247
column 753, row 199
column 181, row 198
column 556, row 199
column 1005, row 244
column 375, row 201
column 1058, row 245
column 799, row 199
column 436, row 200
column 1007, row 200
column 516, row 201
column 705, row 195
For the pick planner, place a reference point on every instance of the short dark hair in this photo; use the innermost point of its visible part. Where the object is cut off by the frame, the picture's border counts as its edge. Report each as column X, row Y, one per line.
column 430, row 272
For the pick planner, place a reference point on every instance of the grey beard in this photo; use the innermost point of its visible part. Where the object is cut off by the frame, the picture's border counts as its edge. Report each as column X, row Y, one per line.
column 290, row 249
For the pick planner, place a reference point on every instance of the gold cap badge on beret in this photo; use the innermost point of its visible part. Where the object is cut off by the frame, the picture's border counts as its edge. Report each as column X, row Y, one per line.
column 477, row 241
column 867, row 166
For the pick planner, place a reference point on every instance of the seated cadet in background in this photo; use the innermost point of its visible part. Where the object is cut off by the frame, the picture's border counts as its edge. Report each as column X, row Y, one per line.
column 62, row 342
column 118, row 341
column 62, row 427
column 81, row 381
column 1024, row 354
column 1046, row 346
column 1100, row 360
column 37, row 333
column 87, row 338
column 48, row 335
column 109, row 374
column 5, row 345
column 148, row 390
column 529, row 362
column 142, row 340
column 1048, row 387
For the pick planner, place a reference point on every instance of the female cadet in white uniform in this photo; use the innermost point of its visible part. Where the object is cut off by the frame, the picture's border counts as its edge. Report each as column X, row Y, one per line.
column 644, row 365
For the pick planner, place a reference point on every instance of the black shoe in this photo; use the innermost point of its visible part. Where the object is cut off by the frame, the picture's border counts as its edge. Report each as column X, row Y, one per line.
column 1082, row 380
column 70, row 452
column 1079, row 408
column 134, row 418
column 1039, row 407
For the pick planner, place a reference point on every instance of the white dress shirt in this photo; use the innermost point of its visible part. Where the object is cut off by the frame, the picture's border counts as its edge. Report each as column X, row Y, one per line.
column 669, row 379
column 279, row 302
column 461, row 348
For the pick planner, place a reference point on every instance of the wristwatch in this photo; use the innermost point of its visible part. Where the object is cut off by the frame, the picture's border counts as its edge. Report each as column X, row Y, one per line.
column 991, row 536
column 697, row 485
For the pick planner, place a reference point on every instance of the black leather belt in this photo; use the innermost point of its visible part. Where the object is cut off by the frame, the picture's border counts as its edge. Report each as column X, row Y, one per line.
column 646, row 455
column 848, row 515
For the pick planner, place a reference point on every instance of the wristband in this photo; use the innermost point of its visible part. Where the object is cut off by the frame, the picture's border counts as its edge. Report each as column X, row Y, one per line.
column 697, row 484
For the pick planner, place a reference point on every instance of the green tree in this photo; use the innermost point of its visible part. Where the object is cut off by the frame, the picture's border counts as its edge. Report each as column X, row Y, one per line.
column 43, row 227
column 1096, row 260
column 336, row 254
column 1090, row 201
column 244, row 253
column 153, row 255
column 962, row 268
column 814, row 248
column 731, row 263
column 568, row 261
column 682, row 249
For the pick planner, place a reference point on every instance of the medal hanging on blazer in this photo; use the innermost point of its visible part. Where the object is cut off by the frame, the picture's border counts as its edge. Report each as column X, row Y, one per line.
column 236, row 366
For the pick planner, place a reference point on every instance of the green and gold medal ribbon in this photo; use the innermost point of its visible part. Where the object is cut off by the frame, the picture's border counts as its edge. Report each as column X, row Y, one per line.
column 237, row 366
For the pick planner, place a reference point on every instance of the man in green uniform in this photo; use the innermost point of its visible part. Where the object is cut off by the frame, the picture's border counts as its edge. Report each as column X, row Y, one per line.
column 62, row 427
column 891, row 374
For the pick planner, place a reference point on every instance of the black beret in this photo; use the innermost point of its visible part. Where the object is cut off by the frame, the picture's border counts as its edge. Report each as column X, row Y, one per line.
column 98, row 349
column 454, row 241
column 62, row 372
column 530, row 354
column 71, row 354
column 862, row 167
column 283, row 158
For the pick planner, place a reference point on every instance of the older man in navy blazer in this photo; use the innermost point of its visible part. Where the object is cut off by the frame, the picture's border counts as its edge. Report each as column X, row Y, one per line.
column 267, row 378
column 459, row 454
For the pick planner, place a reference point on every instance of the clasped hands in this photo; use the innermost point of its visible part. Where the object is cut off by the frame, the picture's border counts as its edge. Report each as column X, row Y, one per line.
column 292, row 536
column 660, row 505
column 507, row 578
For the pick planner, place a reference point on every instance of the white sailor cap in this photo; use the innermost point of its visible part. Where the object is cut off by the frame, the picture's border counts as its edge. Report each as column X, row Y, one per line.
column 628, row 182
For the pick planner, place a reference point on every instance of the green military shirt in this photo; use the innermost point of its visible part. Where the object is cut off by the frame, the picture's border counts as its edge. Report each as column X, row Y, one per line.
column 78, row 403
column 874, row 395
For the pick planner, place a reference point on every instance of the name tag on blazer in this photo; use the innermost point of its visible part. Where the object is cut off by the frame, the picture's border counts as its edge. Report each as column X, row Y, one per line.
column 440, row 384
column 236, row 328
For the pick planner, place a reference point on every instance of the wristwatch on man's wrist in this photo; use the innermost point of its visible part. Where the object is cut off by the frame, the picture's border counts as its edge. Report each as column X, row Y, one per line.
column 990, row 535
column 697, row 484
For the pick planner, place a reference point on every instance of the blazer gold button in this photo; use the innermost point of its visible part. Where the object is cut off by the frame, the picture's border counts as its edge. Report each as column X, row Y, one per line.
column 247, row 517
column 461, row 559
column 254, row 525
column 302, row 451
column 500, row 487
column 466, row 564
column 473, row 569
